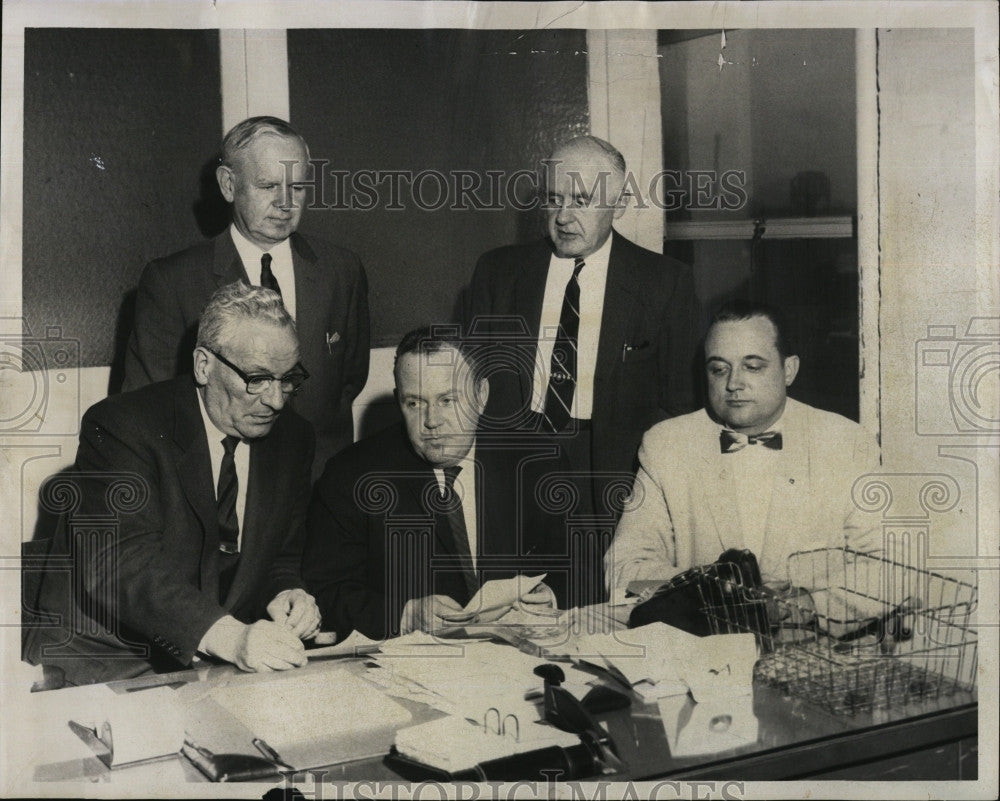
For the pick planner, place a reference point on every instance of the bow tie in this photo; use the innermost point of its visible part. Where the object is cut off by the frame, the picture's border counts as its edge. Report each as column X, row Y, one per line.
column 730, row 441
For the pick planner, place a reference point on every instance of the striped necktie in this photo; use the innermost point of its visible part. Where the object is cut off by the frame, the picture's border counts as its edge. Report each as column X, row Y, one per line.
column 229, row 527
column 562, row 372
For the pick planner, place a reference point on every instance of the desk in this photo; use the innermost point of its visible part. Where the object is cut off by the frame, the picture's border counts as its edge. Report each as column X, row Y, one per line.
column 934, row 739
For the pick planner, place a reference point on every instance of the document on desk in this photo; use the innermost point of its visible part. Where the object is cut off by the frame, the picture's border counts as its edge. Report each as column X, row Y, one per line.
column 710, row 727
column 355, row 645
column 315, row 718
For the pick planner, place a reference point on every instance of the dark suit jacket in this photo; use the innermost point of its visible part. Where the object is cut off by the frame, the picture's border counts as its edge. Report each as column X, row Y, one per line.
column 374, row 541
column 139, row 534
column 331, row 299
column 646, row 350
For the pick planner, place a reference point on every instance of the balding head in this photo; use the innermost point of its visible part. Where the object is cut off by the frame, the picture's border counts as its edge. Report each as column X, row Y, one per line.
column 584, row 179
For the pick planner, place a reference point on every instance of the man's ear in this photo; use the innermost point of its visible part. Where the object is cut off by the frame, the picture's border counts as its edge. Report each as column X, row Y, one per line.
column 791, row 369
column 227, row 182
column 201, row 365
column 482, row 394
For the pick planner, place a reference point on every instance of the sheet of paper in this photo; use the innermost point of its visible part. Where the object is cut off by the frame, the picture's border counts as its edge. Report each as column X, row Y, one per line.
column 720, row 725
column 289, row 711
column 720, row 666
column 502, row 592
column 355, row 645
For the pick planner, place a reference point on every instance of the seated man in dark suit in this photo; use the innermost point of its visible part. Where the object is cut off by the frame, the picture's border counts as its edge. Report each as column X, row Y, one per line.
column 189, row 501
column 405, row 525
column 755, row 470
column 264, row 169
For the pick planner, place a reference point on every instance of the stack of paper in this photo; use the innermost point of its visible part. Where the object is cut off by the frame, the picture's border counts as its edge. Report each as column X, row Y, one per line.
column 452, row 743
column 465, row 678
column 658, row 660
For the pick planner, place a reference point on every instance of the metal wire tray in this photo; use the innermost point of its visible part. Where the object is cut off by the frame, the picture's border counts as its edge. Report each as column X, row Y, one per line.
column 855, row 632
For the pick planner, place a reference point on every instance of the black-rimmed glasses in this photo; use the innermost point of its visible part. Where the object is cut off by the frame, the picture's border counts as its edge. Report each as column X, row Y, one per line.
column 258, row 384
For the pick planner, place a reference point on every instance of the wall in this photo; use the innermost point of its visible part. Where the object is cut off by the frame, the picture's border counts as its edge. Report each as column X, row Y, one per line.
column 437, row 100
column 117, row 127
column 940, row 405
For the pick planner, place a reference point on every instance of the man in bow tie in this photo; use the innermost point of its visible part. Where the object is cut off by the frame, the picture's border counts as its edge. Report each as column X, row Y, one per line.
column 756, row 469
column 263, row 172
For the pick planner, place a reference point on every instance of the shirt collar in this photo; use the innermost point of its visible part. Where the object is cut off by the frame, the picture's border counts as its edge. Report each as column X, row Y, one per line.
column 250, row 252
column 778, row 426
column 212, row 432
column 598, row 260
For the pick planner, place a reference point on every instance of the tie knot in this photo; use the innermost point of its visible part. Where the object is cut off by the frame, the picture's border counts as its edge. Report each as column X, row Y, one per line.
column 578, row 264
column 265, row 261
column 732, row 441
column 450, row 474
column 229, row 444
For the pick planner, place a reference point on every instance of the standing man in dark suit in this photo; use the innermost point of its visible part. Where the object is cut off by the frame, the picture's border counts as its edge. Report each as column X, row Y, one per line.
column 263, row 173
column 595, row 335
column 200, row 489
column 405, row 525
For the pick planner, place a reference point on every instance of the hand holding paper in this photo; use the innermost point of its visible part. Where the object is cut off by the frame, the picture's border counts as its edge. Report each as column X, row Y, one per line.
column 496, row 597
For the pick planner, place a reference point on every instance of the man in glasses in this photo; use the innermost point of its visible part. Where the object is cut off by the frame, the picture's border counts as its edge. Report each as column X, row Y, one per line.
column 200, row 489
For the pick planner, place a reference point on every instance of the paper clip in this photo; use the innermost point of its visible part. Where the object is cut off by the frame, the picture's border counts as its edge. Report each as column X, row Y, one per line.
column 501, row 723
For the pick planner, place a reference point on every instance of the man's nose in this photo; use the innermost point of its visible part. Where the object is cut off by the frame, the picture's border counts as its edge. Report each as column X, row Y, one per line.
column 273, row 397
column 735, row 381
column 432, row 417
column 564, row 215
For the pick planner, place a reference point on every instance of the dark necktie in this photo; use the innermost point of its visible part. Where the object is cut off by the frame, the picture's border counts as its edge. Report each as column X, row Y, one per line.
column 459, row 533
column 229, row 528
column 267, row 279
column 730, row 441
column 562, row 372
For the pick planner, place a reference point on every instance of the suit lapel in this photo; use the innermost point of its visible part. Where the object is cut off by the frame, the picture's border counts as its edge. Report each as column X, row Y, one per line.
column 256, row 515
column 227, row 265
column 194, row 470
column 528, row 296
column 791, row 483
column 304, row 263
column 620, row 304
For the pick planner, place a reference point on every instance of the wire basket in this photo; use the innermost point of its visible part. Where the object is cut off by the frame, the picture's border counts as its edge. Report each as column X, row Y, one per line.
column 855, row 632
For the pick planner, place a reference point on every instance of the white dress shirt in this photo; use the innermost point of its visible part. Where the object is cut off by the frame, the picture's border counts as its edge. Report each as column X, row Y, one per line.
column 241, row 459
column 281, row 265
column 465, row 487
column 592, row 279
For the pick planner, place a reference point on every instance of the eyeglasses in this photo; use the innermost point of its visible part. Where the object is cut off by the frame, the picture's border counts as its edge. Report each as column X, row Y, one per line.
column 258, row 384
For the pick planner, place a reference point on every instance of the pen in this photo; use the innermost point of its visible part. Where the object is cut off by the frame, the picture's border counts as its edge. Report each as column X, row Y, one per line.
column 270, row 753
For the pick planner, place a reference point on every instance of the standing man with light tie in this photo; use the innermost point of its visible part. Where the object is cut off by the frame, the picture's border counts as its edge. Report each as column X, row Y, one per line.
column 263, row 174
column 596, row 334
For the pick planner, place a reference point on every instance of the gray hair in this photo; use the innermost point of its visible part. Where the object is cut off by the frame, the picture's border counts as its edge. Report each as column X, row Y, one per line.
column 242, row 134
column 614, row 156
column 235, row 302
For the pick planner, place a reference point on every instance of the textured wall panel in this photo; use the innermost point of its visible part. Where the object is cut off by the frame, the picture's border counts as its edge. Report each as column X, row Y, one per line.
column 431, row 100
column 118, row 125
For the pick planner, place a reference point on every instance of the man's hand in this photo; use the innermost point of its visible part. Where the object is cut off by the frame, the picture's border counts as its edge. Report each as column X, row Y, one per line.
column 260, row 646
column 539, row 600
column 296, row 609
column 424, row 614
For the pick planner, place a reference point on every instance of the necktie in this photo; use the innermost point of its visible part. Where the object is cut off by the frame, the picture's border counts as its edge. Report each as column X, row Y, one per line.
column 562, row 372
column 267, row 279
column 730, row 441
column 229, row 528
column 459, row 533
